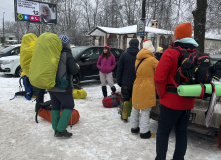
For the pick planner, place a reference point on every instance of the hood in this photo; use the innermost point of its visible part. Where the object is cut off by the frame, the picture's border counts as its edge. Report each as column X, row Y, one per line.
column 133, row 50
column 10, row 57
column 144, row 53
column 188, row 41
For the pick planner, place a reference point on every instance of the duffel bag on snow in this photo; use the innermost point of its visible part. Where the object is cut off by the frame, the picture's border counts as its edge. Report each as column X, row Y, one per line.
column 44, row 63
column 45, row 112
column 26, row 51
column 112, row 101
column 79, row 93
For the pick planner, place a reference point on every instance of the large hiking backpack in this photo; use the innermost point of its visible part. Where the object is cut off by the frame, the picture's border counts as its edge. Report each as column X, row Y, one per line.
column 44, row 111
column 27, row 49
column 44, row 64
column 26, row 89
column 193, row 67
column 112, row 101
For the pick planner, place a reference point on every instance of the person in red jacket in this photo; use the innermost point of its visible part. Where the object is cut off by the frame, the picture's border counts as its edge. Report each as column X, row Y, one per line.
column 174, row 109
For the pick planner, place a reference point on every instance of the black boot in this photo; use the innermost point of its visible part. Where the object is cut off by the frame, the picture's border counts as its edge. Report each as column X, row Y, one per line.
column 135, row 131
column 147, row 135
column 113, row 89
column 104, row 90
column 63, row 134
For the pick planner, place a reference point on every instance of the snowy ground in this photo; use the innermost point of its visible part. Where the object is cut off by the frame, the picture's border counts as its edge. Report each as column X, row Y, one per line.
column 99, row 135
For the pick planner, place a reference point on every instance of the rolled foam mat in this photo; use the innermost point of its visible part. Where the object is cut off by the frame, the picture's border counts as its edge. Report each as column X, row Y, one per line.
column 195, row 90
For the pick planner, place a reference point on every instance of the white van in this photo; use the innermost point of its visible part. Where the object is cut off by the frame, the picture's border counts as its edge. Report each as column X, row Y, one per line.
column 11, row 65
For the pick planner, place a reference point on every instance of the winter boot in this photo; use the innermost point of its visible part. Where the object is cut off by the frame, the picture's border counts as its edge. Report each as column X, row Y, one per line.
column 113, row 89
column 55, row 116
column 63, row 134
column 63, row 123
column 135, row 131
column 104, row 90
column 125, row 107
column 147, row 135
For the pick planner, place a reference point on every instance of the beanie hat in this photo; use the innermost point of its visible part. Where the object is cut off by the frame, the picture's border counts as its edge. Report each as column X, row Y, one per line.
column 159, row 49
column 147, row 44
column 134, row 42
column 107, row 47
column 64, row 39
column 183, row 30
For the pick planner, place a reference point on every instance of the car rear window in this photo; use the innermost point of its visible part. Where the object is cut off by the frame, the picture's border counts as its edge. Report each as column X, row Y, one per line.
column 77, row 50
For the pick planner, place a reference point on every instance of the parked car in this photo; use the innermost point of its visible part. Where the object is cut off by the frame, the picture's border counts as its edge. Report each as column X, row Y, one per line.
column 10, row 51
column 11, row 65
column 87, row 57
column 197, row 117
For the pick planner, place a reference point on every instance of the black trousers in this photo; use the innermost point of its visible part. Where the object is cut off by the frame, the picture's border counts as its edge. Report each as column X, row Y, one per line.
column 169, row 119
column 59, row 100
column 126, row 92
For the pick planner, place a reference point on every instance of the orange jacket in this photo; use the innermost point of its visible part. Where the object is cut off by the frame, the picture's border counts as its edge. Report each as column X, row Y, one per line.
column 144, row 94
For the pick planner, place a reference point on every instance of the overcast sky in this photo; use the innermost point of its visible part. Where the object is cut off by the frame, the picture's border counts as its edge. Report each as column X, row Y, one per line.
column 7, row 6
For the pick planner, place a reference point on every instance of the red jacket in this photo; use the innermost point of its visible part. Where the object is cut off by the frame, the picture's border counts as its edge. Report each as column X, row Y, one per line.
column 166, row 69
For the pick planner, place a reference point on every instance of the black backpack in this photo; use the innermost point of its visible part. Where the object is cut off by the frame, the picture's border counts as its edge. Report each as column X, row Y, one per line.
column 193, row 67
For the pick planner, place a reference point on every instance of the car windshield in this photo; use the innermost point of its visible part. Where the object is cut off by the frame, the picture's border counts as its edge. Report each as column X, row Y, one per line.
column 5, row 50
column 77, row 50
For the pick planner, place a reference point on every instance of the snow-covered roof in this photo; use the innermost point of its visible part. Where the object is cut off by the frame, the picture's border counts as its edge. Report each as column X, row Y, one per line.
column 101, row 31
column 213, row 35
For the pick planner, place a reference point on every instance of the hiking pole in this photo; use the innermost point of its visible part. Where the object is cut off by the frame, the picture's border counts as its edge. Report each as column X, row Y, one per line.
column 71, row 119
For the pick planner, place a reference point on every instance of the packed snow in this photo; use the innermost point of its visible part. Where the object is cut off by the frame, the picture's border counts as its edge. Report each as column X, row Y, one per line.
column 99, row 134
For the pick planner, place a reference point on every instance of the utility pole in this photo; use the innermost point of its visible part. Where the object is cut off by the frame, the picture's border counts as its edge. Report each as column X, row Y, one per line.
column 143, row 16
column 3, row 42
column 142, row 24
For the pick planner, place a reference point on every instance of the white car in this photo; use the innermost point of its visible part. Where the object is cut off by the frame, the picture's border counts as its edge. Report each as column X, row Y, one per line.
column 11, row 65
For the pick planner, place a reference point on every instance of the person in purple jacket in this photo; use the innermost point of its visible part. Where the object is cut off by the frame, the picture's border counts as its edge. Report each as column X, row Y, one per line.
column 106, row 64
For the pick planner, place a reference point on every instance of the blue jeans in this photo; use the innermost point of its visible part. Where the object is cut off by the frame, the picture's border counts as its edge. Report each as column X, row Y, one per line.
column 168, row 119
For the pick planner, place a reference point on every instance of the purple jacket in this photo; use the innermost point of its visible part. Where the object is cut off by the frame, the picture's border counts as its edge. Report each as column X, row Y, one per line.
column 106, row 65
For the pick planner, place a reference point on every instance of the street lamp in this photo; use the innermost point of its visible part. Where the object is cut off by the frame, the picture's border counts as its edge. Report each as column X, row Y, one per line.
column 3, row 42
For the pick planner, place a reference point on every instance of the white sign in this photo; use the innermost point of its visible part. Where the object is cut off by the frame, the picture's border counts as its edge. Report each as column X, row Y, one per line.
column 33, row 11
column 27, row 7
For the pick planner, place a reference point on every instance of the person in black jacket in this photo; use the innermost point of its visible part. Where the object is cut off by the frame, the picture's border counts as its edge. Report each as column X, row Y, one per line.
column 126, row 75
column 61, row 94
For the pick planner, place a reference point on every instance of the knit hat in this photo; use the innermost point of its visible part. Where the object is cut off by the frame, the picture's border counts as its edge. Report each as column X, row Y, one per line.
column 134, row 42
column 147, row 44
column 183, row 30
column 64, row 39
column 107, row 47
column 159, row 49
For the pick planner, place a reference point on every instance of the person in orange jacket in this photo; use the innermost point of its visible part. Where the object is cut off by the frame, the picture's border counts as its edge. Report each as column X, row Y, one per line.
column 144, row 94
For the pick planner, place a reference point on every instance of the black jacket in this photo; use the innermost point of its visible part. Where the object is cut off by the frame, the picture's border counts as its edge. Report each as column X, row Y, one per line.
column 67, row 67
column 126, row 67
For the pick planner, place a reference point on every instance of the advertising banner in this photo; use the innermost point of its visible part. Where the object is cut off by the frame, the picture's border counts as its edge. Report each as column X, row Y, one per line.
column 32, row 11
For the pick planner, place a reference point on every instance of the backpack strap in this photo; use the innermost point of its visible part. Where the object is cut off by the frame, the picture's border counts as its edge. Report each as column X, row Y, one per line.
column 139, row 63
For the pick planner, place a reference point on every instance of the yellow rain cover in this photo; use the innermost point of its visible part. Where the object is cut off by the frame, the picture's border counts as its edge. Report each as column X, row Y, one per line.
column 26, row 51
column 44, row 64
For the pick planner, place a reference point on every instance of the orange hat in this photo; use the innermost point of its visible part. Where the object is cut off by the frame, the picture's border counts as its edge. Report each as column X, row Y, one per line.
column 183, row 30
